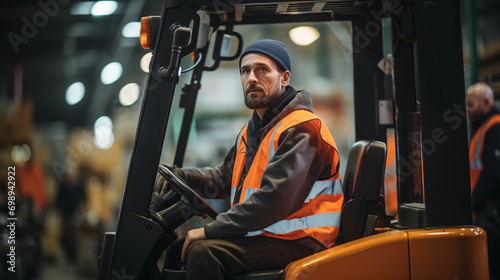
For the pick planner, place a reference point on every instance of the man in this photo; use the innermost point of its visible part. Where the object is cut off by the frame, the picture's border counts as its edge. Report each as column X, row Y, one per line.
column 484, row 156
column 282, row 178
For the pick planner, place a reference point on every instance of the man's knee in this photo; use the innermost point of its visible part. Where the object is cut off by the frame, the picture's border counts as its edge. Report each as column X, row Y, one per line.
column 199, row 250
column 202, row 261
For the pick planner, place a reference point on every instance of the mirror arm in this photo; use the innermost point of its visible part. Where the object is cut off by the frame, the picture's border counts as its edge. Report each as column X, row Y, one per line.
column 181, row 37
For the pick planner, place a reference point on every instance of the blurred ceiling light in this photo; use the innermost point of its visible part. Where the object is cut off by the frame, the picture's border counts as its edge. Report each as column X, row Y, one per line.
column 103, row 133
column 75, row 93
column 82, row 8
column 145, row 60
column 103, row 125
column 20, row 153
column 111, row 72
column 304, row 35
column 132, row 30
column 104, row 8
column 129, row 94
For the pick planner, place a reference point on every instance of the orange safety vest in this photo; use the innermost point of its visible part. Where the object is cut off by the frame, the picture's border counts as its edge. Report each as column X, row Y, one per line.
column 476, row 149
column 319, row 216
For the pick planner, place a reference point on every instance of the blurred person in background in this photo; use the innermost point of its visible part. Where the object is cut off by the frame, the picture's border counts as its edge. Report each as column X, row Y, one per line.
column 70, row 198
column 31, row 184
column 484, row 156
column 31, row 205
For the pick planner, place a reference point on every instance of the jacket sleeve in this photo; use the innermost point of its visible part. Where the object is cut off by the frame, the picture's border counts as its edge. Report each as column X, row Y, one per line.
column 213, row 183
column 302, row 158
column 489, row 180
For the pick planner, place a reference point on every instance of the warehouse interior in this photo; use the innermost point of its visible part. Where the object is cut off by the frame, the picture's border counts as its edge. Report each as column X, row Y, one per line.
column 72, row 75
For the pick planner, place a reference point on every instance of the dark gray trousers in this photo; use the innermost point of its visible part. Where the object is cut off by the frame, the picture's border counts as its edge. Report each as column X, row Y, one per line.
column 225, row 258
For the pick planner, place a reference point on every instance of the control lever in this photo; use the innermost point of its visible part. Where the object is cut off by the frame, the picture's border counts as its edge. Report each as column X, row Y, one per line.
column 181, row 36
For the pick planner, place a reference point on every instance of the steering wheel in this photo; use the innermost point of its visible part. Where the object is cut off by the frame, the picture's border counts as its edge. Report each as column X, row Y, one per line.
column 190, row 198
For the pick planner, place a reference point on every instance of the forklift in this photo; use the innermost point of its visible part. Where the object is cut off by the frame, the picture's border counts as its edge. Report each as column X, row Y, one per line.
column 419, row 88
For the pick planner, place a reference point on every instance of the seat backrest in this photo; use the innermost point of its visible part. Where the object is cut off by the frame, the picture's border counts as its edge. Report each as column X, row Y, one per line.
column 362, row 186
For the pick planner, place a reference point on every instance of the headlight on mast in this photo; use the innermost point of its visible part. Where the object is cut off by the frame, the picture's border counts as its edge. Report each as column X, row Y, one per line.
column 149, row 28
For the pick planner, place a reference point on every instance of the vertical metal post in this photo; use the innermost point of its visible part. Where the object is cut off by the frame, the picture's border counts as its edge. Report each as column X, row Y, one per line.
column 470, row 25
column 137, row 237
column 188, row 101
column 406, row 101
column 368, row 78
column 440, row 84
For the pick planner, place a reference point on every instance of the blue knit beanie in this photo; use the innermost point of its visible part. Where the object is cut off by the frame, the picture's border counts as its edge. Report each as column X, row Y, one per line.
column 273, row 49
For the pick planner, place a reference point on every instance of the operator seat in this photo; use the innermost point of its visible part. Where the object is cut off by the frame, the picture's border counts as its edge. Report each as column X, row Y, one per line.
column 362, row 186
column 363, row 181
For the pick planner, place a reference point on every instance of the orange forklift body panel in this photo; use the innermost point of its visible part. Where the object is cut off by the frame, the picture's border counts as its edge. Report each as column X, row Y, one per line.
column 381, row 256
column 448, row 253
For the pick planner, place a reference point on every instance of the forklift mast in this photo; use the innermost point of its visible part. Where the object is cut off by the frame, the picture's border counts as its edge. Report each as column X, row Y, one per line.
column 427, row 100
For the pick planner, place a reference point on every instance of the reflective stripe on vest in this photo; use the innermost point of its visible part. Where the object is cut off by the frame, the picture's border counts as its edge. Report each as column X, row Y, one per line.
column 319, row 217
column 319, row 188
column 476, row 149
column 288, row 226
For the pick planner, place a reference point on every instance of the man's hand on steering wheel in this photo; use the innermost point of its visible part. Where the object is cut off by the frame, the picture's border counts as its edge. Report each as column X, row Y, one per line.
column 161, row 188
column 173, row 201
column 170, row 187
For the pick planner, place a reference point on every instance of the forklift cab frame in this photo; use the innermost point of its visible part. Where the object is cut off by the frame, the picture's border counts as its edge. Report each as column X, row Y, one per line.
column 424, row 85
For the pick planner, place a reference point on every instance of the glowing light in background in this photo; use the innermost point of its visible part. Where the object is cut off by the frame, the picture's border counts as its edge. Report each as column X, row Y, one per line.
column 129, row 94
column 304, row 35
column 111, row 72
column 20, row 153
column 75, row 93
column 131, row 30
column 103, row 133
column 145, row 60
column 103, row 8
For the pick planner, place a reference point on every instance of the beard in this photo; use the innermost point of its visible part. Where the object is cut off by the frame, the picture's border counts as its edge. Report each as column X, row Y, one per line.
column 477, row 117
column 253, row 101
